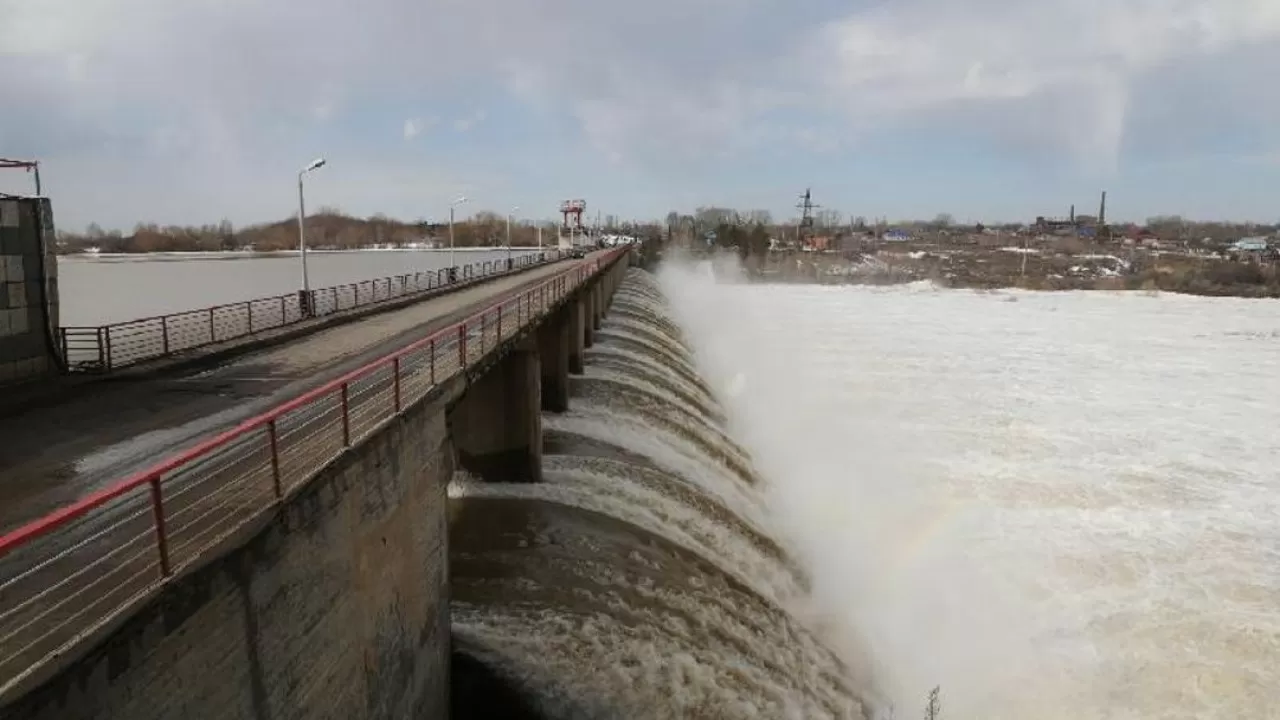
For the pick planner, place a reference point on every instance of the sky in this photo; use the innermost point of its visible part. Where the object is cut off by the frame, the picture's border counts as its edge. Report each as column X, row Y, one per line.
column 997, row 110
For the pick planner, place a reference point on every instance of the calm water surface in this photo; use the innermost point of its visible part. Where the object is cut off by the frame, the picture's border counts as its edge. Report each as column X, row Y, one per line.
column 108, row 289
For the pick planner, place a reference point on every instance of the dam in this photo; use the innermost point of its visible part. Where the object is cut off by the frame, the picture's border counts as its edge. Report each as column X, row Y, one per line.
column 557, row 526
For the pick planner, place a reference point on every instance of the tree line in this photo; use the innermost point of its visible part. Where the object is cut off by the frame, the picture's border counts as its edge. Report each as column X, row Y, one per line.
column 828, row 221
column 328, row 229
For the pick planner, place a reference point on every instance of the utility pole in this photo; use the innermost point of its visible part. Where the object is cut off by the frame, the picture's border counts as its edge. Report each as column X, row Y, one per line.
column 806, row 208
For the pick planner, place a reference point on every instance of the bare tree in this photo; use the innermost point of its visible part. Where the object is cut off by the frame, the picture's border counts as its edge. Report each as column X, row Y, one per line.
column 933, row 710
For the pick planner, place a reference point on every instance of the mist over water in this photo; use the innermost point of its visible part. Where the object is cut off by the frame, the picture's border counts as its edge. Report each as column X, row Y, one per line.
column 1052, row 505
column 643, row 577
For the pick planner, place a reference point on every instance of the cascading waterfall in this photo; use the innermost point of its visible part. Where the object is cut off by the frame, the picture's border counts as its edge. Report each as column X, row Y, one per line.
column 639, row 580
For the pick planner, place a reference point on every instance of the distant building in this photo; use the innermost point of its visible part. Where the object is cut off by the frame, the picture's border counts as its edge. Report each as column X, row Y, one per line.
column 1251, row 244
column 1253, row 248
column 897, row 236
column 818, row 243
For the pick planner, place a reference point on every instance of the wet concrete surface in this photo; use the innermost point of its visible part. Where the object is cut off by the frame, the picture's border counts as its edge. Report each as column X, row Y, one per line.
column 51, row 455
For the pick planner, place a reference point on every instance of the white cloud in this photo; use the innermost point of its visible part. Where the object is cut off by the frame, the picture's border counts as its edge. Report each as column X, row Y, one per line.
column 1064, row 69
column 238, row 88
column 466, row 124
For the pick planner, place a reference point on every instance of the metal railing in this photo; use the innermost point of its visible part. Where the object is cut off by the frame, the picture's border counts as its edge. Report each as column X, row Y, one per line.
column 110, row 347
column 72, row 571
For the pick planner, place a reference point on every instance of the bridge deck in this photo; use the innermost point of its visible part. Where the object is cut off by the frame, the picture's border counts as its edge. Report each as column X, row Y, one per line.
column 52, row 455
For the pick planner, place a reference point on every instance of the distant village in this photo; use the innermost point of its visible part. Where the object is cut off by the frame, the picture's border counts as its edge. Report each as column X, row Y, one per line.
column 1072, row 251
column 819, row 230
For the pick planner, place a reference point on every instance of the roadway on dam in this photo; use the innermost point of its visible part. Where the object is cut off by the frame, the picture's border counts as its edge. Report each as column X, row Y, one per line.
column 53, row 454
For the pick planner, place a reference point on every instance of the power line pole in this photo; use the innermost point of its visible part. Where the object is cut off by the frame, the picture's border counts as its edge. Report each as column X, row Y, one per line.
column 806, row 208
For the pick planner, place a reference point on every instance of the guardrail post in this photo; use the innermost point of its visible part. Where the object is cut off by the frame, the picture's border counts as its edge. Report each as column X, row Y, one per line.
column 284, row 311
column 213, row 333
column 248, row 311
column 164, row 334
column 433, row 361
column 462, row 346
column 106, row 344
column 333, row 292
column 274, row 438
column 500, row 322
column 346, row 415
column 162, row 541
column 395, row 369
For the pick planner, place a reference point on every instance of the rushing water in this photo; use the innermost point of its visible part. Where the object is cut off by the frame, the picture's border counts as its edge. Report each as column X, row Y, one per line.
column 1052, row 505
column 640, row 579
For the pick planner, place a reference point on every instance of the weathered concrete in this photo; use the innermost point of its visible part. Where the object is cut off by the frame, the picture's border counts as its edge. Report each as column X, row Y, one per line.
column 497, row 425
column 553, row 357
column 28, row 291
column 588, row 325
column 577, row 336
column 597, row 307
column 333, row 606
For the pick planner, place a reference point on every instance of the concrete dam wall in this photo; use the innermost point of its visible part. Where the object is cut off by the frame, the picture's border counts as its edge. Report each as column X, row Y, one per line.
column 334, row 602
column 605, row 553
column 640, row 578
column 335, row 606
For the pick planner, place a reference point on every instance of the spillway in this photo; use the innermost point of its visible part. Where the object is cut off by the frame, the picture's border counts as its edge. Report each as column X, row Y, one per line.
column 641, row 578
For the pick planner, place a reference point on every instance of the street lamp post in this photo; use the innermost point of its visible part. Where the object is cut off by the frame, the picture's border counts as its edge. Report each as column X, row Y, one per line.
column 302, row 236
column 509, row 251
column 462, row 199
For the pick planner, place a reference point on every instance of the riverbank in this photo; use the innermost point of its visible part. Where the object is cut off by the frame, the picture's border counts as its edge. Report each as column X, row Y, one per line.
column 1102, row 268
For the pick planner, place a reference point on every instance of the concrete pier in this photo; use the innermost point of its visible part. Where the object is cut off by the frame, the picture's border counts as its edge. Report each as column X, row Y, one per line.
column 497, row 425
column 577, row 336
column 554, row 348
column 586, row 312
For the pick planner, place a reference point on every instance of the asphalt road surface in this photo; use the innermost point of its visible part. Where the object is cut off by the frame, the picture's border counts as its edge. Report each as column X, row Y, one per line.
column 52, row 455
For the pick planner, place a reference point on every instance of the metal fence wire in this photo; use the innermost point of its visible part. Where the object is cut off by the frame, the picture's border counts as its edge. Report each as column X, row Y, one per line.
column 67, row 573
column 110, row 347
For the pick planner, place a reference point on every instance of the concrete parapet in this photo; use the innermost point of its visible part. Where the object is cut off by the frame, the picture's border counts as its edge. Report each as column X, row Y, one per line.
column 497, row 424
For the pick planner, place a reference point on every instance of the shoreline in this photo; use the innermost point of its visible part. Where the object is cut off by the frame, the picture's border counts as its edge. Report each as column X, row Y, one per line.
column 1027, row 287
column 993, row 269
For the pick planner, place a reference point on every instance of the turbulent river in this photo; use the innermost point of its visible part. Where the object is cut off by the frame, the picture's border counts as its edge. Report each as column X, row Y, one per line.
column 810, row 502
column 640, row 579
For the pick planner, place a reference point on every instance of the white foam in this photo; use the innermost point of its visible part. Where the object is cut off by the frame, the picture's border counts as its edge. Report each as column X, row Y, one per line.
column 1063, row 507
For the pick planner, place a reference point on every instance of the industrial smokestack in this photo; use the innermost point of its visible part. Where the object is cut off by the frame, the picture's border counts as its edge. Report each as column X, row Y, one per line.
column 1073, row 214
column 1102, row 211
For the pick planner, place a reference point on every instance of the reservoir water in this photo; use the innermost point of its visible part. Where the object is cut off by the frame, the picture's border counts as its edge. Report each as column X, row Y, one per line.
column 102, row 289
